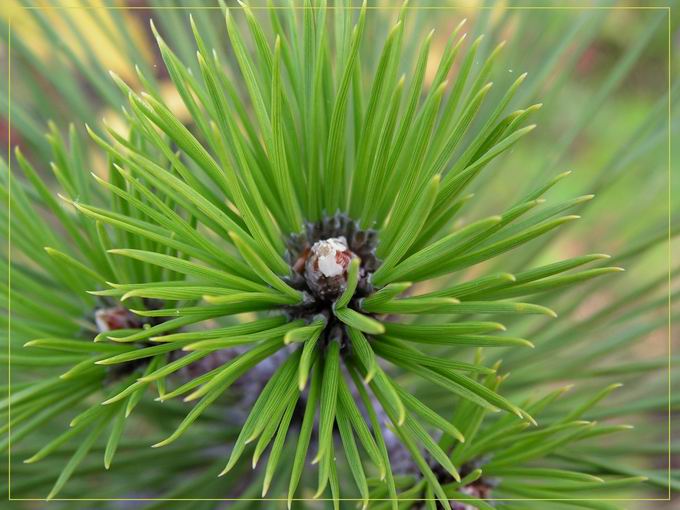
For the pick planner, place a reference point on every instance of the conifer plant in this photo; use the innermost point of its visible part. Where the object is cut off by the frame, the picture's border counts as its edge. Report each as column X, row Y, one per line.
column 282, row 296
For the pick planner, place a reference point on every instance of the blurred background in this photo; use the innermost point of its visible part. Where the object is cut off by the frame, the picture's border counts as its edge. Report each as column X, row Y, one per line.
column 599, row 68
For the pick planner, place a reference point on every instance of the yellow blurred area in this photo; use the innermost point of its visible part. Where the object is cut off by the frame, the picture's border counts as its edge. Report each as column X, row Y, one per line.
column 94, row 24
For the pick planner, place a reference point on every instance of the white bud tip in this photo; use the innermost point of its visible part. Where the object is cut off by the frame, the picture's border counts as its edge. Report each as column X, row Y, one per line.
column 326, row 251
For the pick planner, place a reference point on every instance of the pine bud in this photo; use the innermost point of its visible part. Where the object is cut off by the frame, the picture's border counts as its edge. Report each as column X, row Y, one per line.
column 326, row 267
column 115, row 317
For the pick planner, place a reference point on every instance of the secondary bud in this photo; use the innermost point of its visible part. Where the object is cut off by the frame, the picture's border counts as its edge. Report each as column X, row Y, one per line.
column 326, row 267
column 116, row 317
